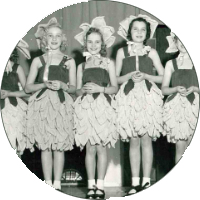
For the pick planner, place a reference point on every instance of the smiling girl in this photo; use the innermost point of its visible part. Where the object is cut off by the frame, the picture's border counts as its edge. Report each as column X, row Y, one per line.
column 94, row 115
column 139, row 101
column 49, row 118
column 181, row 108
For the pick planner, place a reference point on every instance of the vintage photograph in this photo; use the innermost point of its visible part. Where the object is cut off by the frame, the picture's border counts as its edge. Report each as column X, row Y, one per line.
column 100, row 99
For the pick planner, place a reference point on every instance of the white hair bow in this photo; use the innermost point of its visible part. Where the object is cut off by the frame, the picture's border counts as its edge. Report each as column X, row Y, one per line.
column 41, row 30
column 172, row 45
column 23, row 47
column 132, row 48
column 124, row 25
column 97, row 22
column 88, row 55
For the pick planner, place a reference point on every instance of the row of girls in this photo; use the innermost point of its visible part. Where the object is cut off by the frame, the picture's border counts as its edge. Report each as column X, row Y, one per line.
column 113, row 100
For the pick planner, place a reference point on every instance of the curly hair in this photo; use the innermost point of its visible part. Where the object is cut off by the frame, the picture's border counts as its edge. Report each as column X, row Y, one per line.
column 103, row 51
column 139, row 19
column 14, row 56
column 43, row 43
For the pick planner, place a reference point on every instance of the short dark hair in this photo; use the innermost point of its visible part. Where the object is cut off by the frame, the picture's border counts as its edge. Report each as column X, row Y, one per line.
column 103, row 51
column 139, row 19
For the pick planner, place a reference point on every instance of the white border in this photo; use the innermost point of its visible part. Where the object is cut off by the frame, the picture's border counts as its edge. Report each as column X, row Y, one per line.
column 17, row 17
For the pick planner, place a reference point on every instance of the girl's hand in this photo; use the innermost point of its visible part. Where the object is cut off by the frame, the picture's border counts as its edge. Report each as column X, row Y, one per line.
column 55, row 85
column 4, row 94
column 48, row 84
column 182, row 90
column 64, row 86
column 91, row 88
column 138, row 76
column 130, row 74
column 83, row 90
column 190, row 90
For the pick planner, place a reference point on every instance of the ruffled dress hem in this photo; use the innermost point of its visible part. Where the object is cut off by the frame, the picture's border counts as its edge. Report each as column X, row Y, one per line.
column 50, row 122
column 180, row 117
column 14, row 120
column 94, row 121
column 140, row 111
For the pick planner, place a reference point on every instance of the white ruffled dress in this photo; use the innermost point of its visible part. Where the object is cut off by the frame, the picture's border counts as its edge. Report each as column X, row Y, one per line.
column 139, row 105
column 180, row 113
column 50, row 113
column 94, row 114
column 13, row 111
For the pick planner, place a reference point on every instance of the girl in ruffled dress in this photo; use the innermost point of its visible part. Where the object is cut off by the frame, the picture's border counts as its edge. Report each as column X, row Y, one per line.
column 94, row 114
column 13, row 107
column 50, row 108
column 139, row 101
column 181, row 108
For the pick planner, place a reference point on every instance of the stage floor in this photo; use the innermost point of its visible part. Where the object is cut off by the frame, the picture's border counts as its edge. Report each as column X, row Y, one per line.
column 81, row 191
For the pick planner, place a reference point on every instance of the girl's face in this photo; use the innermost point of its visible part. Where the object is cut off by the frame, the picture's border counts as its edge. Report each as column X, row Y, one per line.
column 94, row 43
column 138, row 32
column 180, row 46
column 54, row 38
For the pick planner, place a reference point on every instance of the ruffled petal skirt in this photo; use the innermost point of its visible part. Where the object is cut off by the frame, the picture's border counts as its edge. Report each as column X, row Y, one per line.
column 94, row 121
column 50, row 122
column 14, row 120
column 140, row 111
column 180, row 117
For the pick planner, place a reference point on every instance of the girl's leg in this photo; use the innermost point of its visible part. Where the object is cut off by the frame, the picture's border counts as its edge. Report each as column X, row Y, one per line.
column 181, row 145
column 102, row 161
column 101, row 167
column 47, row 166
column 90, row 163
column 147, row 158
column 134, row 156
column 189, row 140
column 59, row 161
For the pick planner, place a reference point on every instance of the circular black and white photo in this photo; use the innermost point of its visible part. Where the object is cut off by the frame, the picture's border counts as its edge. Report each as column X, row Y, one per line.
column 99, row 99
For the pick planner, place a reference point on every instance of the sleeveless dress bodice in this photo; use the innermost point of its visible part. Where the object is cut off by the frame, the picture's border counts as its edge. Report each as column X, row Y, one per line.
column 96, row 75
column 56, row 72
column 183, row 77
column 10, row 80
column 129, row 63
